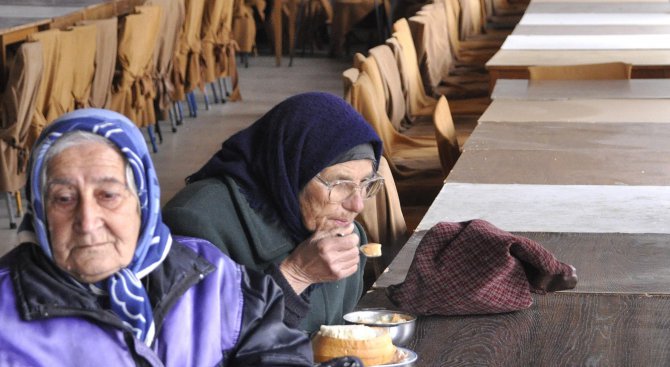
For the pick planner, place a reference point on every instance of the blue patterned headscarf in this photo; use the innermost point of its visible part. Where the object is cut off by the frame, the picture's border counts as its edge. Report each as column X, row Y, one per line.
column 128, row 298
column 275, row 157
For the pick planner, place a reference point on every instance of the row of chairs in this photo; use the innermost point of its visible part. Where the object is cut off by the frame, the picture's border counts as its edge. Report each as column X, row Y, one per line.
column 422, row 91
column 142, row 64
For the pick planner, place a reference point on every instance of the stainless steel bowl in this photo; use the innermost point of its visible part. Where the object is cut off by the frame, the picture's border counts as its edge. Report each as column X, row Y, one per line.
column 401, row 331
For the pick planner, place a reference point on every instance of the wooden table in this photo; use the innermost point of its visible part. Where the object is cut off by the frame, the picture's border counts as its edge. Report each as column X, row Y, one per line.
column 520, row 89
column 584, row 169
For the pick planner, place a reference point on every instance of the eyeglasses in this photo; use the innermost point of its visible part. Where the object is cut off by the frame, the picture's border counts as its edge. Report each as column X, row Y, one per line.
column 341, row 190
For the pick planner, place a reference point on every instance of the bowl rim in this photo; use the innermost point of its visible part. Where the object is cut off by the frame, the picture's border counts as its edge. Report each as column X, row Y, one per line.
column 380, row 311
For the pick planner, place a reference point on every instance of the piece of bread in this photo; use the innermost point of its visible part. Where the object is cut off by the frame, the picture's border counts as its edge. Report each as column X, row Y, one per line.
column 372, row 345
column 372, row 249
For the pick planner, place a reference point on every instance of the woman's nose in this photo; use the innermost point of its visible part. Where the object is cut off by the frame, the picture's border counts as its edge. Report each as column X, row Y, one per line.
column 354, row 203
column 88, row 214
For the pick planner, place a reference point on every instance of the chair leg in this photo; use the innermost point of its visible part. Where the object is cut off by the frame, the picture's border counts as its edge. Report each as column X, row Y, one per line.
column 152, row 138
column 159, row 132
column 212, row 85
column 173, row 119
column 220, row 82
column 10, row 210
column 19, row 204
column 224, row 85
column 179, row 112
column 192, row 105
column 204, row 93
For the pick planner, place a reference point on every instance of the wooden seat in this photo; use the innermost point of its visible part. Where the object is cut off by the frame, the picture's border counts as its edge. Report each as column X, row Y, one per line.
column 612, row 70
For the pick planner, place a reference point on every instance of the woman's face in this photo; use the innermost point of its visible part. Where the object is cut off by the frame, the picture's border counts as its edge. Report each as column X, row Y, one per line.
column 318, row 212
column 93, row 217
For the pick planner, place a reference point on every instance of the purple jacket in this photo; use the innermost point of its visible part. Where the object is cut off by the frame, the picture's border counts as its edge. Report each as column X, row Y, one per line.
column 208, row 310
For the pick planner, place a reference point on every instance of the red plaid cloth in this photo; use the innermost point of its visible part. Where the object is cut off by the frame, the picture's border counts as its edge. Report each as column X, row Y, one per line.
column 476, row 268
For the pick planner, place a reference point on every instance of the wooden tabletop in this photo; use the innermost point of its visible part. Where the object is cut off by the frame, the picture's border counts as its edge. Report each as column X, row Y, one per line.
column 595, row 19
column 579, row 110
column 588, row 42
column 589, row 29
column 521, row 89
column 587, row 7
column 562, row 329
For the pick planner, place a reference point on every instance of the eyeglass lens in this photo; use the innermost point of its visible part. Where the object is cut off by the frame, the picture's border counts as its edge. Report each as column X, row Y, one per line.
column 344, row 190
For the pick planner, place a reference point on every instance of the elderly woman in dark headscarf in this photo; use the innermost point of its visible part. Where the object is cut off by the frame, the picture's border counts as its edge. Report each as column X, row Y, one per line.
column 100, row 279
column 281, row 196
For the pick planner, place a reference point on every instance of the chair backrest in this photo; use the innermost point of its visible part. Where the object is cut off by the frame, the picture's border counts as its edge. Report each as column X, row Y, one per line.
column 60, row 98
column 137, row 41
column 429, row 29
column 86, row 42
column 611, row 70
column 349, row 78
column 445, row 134
column 419, row 104
column 472, row 18
column 50, row 56
column 18, row 103
column 105, row 60
column 174, row 12
column 211, row 23
column 395, row 100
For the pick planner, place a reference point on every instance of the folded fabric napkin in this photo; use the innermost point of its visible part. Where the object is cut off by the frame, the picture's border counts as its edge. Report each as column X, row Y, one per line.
column 476, row 268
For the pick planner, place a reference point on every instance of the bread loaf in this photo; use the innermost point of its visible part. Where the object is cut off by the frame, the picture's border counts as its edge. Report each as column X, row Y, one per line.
column 372, row 345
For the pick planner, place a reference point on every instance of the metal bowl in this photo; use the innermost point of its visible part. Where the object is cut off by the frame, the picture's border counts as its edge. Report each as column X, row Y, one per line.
column 401, row 331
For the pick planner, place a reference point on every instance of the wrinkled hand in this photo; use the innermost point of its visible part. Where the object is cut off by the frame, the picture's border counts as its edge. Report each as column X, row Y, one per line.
column 328, row 255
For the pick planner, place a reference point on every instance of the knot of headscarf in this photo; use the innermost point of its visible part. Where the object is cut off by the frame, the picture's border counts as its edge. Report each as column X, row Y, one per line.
column 274, row 158
column 128, row 298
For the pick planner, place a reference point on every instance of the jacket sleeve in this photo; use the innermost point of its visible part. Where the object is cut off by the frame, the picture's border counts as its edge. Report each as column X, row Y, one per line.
column 265, row 340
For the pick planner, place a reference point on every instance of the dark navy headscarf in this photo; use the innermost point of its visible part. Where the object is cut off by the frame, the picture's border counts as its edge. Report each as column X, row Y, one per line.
column 273, row 159
column 128, row 298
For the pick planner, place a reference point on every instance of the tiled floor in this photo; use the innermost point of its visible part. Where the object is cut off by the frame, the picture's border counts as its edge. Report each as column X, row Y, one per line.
column 262, row 84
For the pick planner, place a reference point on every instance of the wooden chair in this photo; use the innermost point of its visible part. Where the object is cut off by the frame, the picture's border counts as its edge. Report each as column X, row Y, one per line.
column 186, row 64
column 50, row 56
column 445, row 134
column 393, row 92
column 349, row 78
column 134, row 90
column 85, row 38
column 612, row 70
column 226, row 54
column 16, row 114
column 105, row 60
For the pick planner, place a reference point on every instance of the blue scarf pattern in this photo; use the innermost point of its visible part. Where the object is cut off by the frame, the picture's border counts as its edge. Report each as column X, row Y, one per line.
column 275, row 157
column 128, row 298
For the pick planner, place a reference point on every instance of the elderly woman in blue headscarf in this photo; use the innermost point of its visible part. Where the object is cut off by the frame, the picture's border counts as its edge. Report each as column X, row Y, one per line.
column 281, row 197
column 99, row 279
